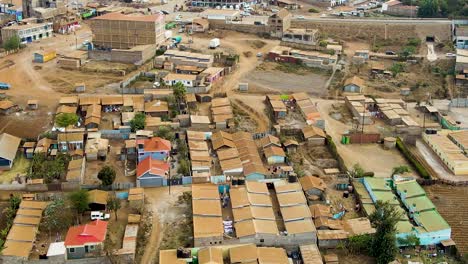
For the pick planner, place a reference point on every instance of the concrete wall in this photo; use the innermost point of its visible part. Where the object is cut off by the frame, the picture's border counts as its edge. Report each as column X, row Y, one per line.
column 16, row 260
column 245, row 28
column 123, row 56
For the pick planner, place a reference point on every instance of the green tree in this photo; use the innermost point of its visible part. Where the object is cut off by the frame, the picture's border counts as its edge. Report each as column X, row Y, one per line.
column 400, row 169
column 397, row 68
column 384, row 218
column 113, row 204
column 358, row 171
column 166, row 133
column 79, row 201
column 360, row 244
column 409, row 241
column 407, row 52
column 182, row 148
column 138, row 122
column 107, row 175
column 428, row 8
column 12, row 43
column 184, row 167
column 49, row 170
column 179, row 93
column 66, row 119
column 57, row 216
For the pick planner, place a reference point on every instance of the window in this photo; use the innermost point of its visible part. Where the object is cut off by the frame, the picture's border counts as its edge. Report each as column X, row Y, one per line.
column 262, row 240
column 92, row 247
column 72, row 250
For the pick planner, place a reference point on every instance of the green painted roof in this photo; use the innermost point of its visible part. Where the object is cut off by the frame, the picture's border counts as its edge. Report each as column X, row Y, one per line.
column 404, row 227
column 378, row 184
column 385, row 196
column 411, row 188
column 361, row 190
column 431, row 221
column 369, row 208
column 420, row 203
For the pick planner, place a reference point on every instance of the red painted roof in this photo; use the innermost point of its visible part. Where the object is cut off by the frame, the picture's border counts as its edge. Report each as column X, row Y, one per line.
column 91, row 233
column 154, row 166
column 155, row 144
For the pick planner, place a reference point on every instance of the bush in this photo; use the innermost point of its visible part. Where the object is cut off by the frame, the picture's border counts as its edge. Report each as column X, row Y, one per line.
column 12, row 43
column 410, row 158
column 313, row 10
column 397, row 68
column 138, row 122
column 415, row 42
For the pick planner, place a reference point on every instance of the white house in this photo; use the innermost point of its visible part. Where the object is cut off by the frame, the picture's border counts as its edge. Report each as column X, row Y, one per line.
column 187, row 80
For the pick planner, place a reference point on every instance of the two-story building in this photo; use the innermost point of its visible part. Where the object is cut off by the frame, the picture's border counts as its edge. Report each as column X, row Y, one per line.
column 28, row 33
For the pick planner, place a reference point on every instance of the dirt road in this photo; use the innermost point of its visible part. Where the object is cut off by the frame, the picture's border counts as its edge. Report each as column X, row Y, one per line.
column 161, row 204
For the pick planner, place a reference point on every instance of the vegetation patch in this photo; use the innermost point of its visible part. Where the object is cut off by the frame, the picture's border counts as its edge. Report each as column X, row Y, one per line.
column 411, row 159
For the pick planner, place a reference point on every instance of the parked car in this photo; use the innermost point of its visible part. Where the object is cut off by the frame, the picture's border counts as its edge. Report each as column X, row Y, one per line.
column 300, row 17
column 450, row 55
column 4, row 86
column 389, row 52
column 259, row 54
column 98, row 215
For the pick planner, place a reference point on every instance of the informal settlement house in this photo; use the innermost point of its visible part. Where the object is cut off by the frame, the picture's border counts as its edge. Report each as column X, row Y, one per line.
column 21, row 238
column 429, row 226
column 8, row 147
column 85, row 240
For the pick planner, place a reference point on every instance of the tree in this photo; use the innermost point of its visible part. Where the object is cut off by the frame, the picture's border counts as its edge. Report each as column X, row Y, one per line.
column 182, row 148
column 359, row 244
column 113, row 204
column 184, row 167
column 358, row 171
column 12, row 43
column 400, row 170
column 56, row 216
column 179, row 93
column 407, row 52
column 397, row 68
column 66, row 119
column 138, row 122
column 49, row 170
column 79, row 200
column 166, row 133
column 428, row 8
column 384, row 218
column 409, row 241
column 107, row 175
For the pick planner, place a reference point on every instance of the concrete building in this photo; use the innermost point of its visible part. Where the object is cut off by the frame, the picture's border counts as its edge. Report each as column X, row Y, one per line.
column 300, row 36
column 207, row 216
column 119, row 31
column 8, row 148
column 449, row 152
column 44, row 9
column 353, row 85
column 226, row 15
column 28, row 33
column 461, row 36
column 279, row 23
column 308, row 58
column 173, row 58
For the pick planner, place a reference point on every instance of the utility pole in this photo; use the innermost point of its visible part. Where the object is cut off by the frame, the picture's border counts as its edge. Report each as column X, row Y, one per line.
column 362, row 125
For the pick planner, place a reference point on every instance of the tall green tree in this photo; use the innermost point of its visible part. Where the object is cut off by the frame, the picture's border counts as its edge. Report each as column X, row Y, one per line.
column 12, row 43
column 138, row 122
column 384, row 218
column 428, row 8
column 79, row 201
column 165, row 132
column 57, row 216
column 66, row 119
column 113, row 204
column 107, row 175
column 179, row 93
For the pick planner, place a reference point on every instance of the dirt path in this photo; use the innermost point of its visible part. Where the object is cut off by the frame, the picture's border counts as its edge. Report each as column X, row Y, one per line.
column 161, row 204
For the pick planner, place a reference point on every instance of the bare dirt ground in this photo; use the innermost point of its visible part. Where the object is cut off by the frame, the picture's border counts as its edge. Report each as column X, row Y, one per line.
column 268, row 78
column 44, row 82
column 452, row 203
column 382, row 163
column 161, row 204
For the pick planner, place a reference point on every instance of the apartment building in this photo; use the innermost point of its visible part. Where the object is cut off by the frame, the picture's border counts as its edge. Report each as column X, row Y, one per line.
column 120, row 31
column 28, row 32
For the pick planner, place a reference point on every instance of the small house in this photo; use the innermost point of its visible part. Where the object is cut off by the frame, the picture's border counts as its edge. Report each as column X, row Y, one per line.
column 157, row 108
column 76, row 170
column 270, row 140
column 191, row 100
column 377, row 68
column 33, row 104
column 277, row 106
column 44, row 145
column 362, row 53
column 70, row 141
column 69, row 100
column 353, row 85
column 312, row 185
column 97, row 200
column 136, row 197
column 6, row 107
column 127, row 117
column 85, row 240
column 156, row 147
column 28, row 149
column 187, row 80
column 274, row 155
column 80, row 87
column 314, row 135
column 152, row 172
column 291, row 145
column 8, row 147
column 200, row 122
column 96, row 148
column 213, row 74
column 405, row 91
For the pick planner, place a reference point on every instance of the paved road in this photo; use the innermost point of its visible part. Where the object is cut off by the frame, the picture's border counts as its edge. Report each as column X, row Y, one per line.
column 373, row 20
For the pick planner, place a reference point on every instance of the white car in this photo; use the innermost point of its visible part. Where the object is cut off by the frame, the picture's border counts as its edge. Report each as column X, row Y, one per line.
column 450, row 55
column 98, row 215
column 301, row 17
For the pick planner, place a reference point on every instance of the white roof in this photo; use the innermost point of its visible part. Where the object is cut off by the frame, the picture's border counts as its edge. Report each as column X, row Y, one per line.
column 56, row 249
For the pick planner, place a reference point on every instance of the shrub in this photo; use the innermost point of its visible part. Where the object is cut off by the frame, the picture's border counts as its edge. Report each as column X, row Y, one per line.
column 411, row 159
column 313, row 10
